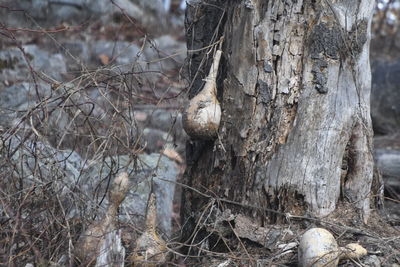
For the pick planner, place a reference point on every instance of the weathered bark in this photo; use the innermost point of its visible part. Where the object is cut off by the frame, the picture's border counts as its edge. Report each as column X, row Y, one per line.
column 294, row 88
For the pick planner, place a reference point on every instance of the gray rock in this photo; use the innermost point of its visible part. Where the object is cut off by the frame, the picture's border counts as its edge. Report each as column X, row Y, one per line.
column 372, row 261
column 76, row 12
column 388, row 162
column 387, row 158
column 170, row 122
column 49, row 12
column 76, row 53
column 46, row 173
column 99, row 6
column 52, row 65
column 73, row 12
column 14, row 66
column 154, row 140
column 16, row 95
column 166, row 53
column 129, row 8
column 158, row 124
column 123, row 54
column 142, row 171
column 157, row 6
column 385, row 97
column 164, row 120
column 392, row 211
column 82, row 185
column 37, row 163
column 58, row 123
column 64, row 11
column 17, row 99
column 37, row 8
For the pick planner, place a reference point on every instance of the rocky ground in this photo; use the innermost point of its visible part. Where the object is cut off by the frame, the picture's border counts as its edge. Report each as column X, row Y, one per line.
column 91, row 88
column 87, row 92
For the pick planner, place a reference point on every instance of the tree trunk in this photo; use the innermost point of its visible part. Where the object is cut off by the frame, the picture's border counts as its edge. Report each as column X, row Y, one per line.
column 294, row 87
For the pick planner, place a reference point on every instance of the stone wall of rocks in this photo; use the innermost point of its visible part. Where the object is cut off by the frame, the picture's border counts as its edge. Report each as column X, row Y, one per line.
column 78, row 107
column 152, row 13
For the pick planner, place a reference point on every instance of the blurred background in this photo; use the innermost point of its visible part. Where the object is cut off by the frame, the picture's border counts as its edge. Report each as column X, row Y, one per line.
column 385, row 98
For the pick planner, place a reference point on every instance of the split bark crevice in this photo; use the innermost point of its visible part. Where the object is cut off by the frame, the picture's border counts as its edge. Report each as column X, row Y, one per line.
column 294, row 89
column 357, row 185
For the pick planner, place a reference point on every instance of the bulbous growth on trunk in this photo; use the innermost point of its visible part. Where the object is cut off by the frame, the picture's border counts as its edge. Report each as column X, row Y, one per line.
column 202, row 116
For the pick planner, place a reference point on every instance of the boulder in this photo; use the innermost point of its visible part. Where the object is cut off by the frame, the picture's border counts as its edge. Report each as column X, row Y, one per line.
column 19, row 104
column 82, row 185
column 170, row 121
column 76, row 53
column 124, row 55
column 155, row 140
column 165, row 53
column 387, row 158
column 385, row 97
column 37, row 163
column 75, row 12
column 17, row 99
column 142, row 171
column 14, row 66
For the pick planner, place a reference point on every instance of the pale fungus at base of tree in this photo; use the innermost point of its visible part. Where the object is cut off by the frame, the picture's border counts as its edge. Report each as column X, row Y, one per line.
column 318, row 248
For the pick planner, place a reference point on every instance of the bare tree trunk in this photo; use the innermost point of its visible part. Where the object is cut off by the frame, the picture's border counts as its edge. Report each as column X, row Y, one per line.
column 294, row 87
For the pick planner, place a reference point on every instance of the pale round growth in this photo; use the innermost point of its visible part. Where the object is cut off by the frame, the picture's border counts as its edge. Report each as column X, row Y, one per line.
column 353, row 251
column 201, row 118
column 150, row 250
column 318, row 248
column 119, row 189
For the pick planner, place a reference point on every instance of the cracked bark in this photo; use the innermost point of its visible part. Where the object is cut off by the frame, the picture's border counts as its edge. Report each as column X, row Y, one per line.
column 294, row 89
